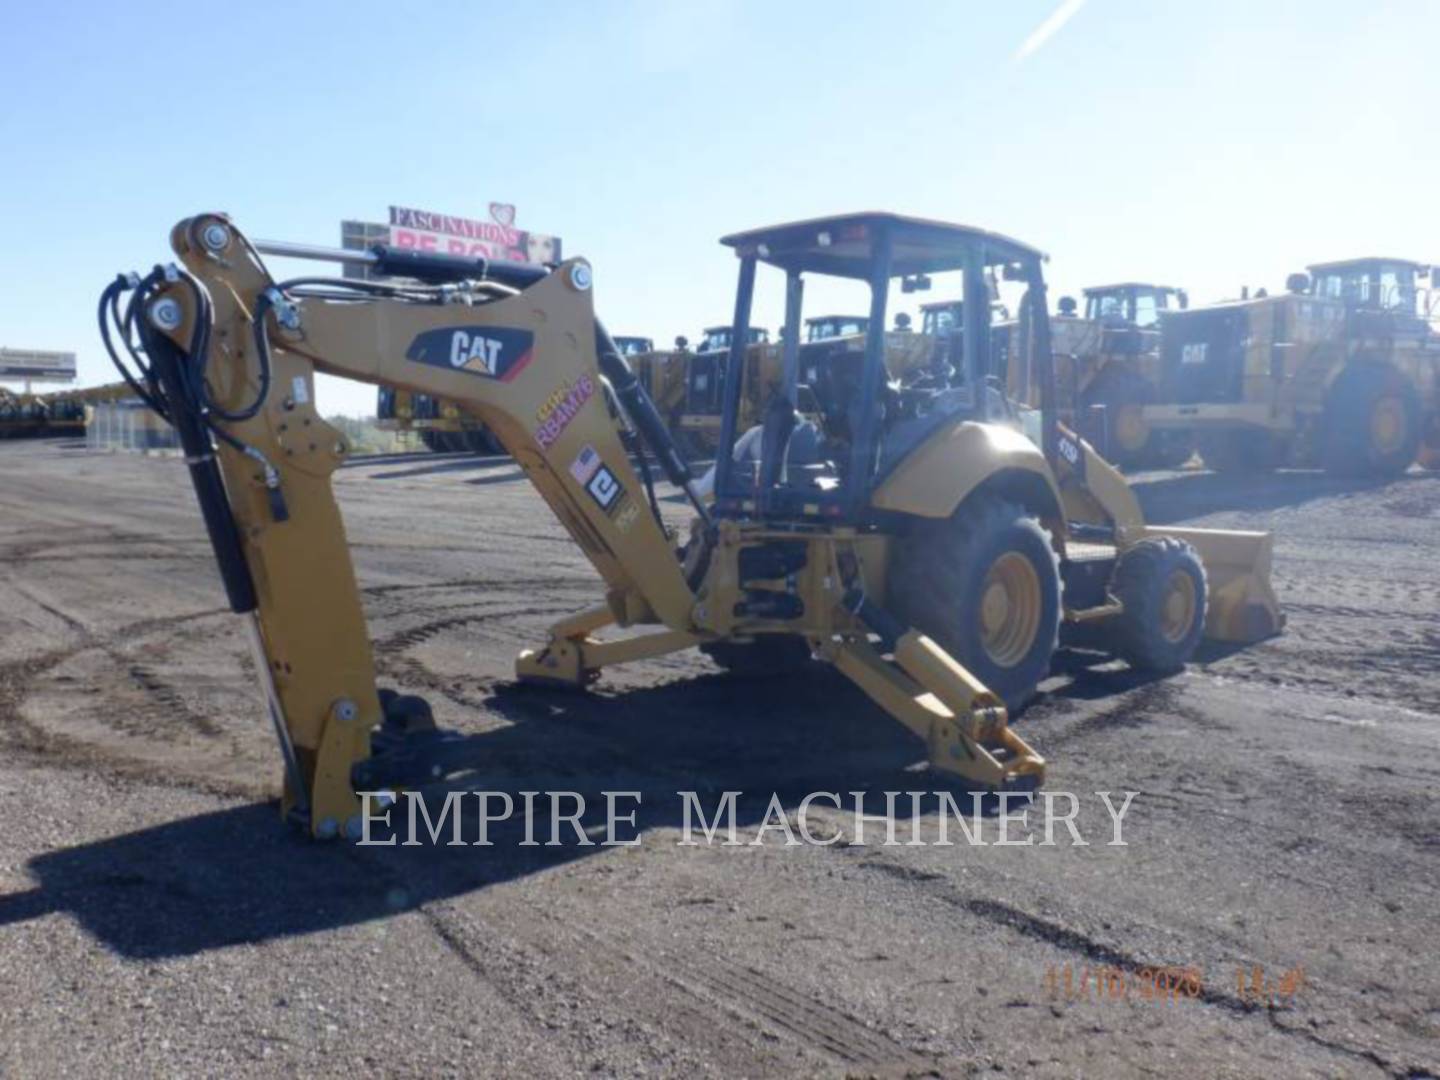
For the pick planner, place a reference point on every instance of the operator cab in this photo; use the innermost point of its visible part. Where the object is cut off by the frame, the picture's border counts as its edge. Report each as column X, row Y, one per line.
column 827, row 327
column 859, row 421
column 634, row 346
column 1387, row 285
column 941, row 318
column 705, row 370
column 1132, row 304
column 718, row 338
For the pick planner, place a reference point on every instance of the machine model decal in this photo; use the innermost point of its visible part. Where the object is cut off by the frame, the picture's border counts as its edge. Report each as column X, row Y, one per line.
column 492, row 352
column 585, row 464
column 626, row 515
column 1069, row 449
column 560, row 408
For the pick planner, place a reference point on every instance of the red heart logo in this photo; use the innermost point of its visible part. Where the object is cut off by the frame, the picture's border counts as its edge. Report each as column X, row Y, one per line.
column 504, row 213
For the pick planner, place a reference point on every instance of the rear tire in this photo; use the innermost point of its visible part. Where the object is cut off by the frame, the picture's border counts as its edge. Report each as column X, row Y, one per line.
column 769, row 656
column 1372, row 423
column 1161, row 584
column 985, row 585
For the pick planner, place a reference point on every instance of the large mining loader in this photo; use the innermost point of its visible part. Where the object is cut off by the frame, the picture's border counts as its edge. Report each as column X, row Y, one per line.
column 1341, row 371
column 913, row 536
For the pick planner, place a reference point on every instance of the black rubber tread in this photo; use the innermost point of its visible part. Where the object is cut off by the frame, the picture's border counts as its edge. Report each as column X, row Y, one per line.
column 1139, row 585
column 935, row 581
column 1345, row 446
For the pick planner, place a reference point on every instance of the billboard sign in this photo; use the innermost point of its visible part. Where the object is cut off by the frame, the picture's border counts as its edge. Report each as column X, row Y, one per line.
column 449, row 234
column 445, row 234
column 37, row 365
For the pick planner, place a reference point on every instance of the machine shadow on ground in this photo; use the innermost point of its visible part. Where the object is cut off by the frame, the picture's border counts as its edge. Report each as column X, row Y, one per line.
column 240, row 876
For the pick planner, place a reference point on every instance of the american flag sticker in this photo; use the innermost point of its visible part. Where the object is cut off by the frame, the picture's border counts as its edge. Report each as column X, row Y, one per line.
column 584, row 465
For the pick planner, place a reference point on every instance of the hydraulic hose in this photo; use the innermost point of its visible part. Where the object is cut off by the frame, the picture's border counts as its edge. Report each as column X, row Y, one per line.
column 168, row 364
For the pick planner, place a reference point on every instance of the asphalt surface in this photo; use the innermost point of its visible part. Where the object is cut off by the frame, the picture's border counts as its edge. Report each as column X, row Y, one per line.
column 157, row 918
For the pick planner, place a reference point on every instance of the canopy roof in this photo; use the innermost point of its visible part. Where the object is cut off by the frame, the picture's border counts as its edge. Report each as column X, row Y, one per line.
column 1372, row 260
column 844, row 245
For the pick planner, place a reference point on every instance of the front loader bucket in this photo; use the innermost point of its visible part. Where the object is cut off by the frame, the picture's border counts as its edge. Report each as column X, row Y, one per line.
column 1242, row 606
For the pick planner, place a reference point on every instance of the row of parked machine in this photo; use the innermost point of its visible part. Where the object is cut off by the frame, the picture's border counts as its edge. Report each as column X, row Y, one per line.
column 58, row 413
column 1341, row 370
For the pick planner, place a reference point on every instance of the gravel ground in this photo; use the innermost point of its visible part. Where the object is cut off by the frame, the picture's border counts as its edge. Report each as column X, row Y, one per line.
column 157, row 918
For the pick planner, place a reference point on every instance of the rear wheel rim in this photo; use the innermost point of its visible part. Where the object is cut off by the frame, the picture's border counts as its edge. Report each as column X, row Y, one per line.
column 1388, row 425
column 1177, row 606
column 1131, row 431
column 1009, row 615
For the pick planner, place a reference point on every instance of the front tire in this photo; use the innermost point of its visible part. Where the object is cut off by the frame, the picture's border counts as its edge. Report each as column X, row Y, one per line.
column 1161, row 586
column 985, row 585
column 1372, row 423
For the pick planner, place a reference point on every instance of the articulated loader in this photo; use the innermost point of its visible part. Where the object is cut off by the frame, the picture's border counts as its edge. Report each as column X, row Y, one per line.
column 1341, row 371
column 913, row 536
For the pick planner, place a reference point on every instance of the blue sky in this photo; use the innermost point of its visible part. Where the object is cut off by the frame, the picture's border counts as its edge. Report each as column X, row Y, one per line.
column 1205, row 144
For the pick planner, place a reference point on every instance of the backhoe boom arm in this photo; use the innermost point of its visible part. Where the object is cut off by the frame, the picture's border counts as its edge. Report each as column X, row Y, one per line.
column 523, row 360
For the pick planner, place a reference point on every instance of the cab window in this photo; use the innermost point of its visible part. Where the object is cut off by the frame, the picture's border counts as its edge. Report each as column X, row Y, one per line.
column 1147, row 312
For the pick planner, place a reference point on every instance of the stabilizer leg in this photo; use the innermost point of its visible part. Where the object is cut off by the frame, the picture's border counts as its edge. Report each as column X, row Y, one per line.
column 573, row 658
column 963, row 724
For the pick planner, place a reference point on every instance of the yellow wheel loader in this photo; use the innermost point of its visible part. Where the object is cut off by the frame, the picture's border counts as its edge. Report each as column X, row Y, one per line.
column 1341, row 371
column 1107, row 369
column 913, row 535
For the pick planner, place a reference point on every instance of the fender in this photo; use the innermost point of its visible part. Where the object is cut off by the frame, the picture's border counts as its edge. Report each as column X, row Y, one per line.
column 945, row 469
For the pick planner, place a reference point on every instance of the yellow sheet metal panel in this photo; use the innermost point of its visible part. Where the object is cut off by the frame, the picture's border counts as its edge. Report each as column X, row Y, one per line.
column 937, row 476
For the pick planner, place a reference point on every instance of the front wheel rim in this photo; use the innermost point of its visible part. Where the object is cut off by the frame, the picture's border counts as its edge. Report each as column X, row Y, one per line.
column 1010, row 602
column 1177, row 606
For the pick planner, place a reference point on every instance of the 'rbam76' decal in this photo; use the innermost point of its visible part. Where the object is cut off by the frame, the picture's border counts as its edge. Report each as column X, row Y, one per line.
column 492, row 352
column 560, row 408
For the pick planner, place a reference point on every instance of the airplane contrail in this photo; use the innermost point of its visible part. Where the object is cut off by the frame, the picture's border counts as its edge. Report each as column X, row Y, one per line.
column 1047, row 29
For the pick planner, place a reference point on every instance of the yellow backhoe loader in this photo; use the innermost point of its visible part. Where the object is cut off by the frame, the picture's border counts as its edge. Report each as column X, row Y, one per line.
column 913, row 535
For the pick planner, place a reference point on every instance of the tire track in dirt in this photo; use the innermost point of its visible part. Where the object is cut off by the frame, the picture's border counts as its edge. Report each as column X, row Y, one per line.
column 825, row 1028
column 764, row 1003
